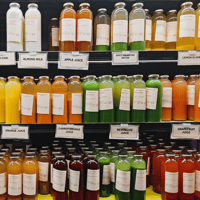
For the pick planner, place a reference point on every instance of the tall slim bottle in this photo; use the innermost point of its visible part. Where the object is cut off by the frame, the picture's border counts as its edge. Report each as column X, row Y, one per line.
column 197, row 105
column 197, row 27
column 54, row 35
column 2, row 99
column 148, row 33
column 3, row 178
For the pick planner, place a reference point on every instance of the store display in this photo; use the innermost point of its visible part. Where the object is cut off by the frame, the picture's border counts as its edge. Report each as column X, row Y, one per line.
column 148, row 32
column 54, row 35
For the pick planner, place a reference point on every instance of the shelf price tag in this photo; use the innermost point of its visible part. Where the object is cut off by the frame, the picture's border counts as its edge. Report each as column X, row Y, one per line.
column 73, row 60
column 33, row 60
column 69, row 131
column 185, row 131
column 124, row 131
column 188, row 58
column 125, row 58
column 7, row 58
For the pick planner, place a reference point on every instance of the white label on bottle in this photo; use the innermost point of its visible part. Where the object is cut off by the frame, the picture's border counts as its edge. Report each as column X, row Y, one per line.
column 14, row 184
column 29, row 184
column 139, row 99
column 59, row 180
column 93, row 179
column 188, row 183
column 77, row 99
column 199, row 28
column 112, row 172
column 148, row 166
column 43, row 101
column 103, row 34
column 190, row 95
column 31, row 30
column 14, row 29
column 172, row 31
column 106, row 175
column 140, row 180
column 84, row 30
column 43, row 171
column 58, row 104
column 2, row 183
column 167, row 97
column 136, row 30
column 123, row 181
column 197, row 182
column 120, row 31
column 74, row 179
column 187, row 26
column 148, row 29
column 152, row 94
column 51, row 176
column 125, row 100
column 92, row 101
column 171, row 182
column 55, row 37
column 27, row 104
column 160, row 30
column 68, row 27
column 106, row 99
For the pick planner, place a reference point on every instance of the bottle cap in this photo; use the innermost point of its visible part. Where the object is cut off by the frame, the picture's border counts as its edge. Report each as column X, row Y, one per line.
column 194, row 76
column 106, row 76
column 78, row 77
column 13, row 77
column 172, row 12
column 32, row 5
column 52, row 19
column 189, row 3
column 84, row 4
column 19, row 149
column 29, row 156
column 138, row 76
column 158, row 10
column 46, row 77
column 56, row 152
column 153, row 76
column 14, row 4
column 76, row 156
column 43, row 151
column 120, row 4
column 138, row 4
column 164, row 76
column 179, row 76
column 16, row 153
column 131, row 151
column 169, row 154
column 123, row 156
column 14, row 156
column 186, row 155
column 68, row 4
column 122, row 76
column 29, row 77
column 59, row 76
column 30, row 153
column 102, row 10
column 146, row 10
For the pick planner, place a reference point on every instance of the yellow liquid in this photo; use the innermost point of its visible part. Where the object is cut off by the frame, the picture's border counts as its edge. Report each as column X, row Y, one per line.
column 2, row 101
column 197, row 39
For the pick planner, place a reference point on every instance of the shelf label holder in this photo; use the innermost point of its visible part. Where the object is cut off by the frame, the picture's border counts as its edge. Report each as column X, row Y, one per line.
column 7, row 58
column 186, row 58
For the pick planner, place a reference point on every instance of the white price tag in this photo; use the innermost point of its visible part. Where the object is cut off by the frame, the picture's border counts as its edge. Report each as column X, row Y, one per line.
column 188, row 58
column 7, row 58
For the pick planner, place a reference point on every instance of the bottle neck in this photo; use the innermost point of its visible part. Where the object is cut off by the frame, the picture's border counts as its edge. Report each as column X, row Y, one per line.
column 84, row 7
column 153, row 78
column 119, row 6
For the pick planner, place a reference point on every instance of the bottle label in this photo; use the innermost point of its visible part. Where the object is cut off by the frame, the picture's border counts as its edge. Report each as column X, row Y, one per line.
column 43, row 101
column 171, row 182
column 59, row 180
column 136, row 30
column 167, row 97
column 190, row 95
column 14, row 30
column 139, row 99
column 106, row 99
column 172, row 31
column 125, row 100
column 58, row 104
column 68, row 27
column 188, row 183
column 160, row 30
column 140, row 180
column 103, row 34
column 29, row 184
column 31, row 30
column 92, row 101
column 2, row 183
column 187, row 26
column 112, row 172
column 43, row 171
column 93, row 179
column 74, row 180
column 197, row 183
column 123, row 180
column 55, row 37
column 51, row 176
column 14, row 184
column 152, row 94
column 148, row 166
column 120, row 31
column 77, row 99
column 199, row 28
column 148, row 29
column 106, row 175
column 84, row 30
column 27, row 104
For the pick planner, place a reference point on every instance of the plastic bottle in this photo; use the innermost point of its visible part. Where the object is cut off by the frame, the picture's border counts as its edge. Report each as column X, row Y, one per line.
column 148, row 33
column 2, row 99
column 197, row 27
column 54, row 35
column 3, row 178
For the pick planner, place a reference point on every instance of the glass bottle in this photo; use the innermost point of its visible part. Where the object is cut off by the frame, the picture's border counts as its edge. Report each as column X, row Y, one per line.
column 148, row 34
column 186, row 27
column 102, row 30
column 119, row 28
column 196, row 104
column 137, row 24
column 179, row 98
column 28, row 101
column 3, row 178
column 54, row 35
column 84, row 28
column 138, row 98
column 197, row 32
column 2, row 99
column 159, row 30
column 33, row 28
column 130, row 154
column 197, row 176
column 68, row 28
column 44, row 100
column 154, row 98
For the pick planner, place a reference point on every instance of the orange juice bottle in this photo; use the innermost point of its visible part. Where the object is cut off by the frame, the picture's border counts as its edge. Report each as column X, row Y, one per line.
column 197, row 103
column 59, row 97
column 28, row 101
column 75, row 99
column 68, row 28
column 197, row 32
column 84, row 28
column 148, row 33
column 44, row 100
column 3, row 178
column 179, row 98
column 2, row 99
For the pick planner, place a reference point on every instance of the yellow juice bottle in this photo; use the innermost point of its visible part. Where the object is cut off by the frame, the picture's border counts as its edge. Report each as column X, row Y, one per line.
column 197, row 32
column 148, row 34
column 2, row 99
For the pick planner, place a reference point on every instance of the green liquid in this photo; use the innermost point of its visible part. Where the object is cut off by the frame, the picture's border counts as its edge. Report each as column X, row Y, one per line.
column 121, row 46
column 137, row 46
column 107, row 116
column 122, row 115
column 102, row 48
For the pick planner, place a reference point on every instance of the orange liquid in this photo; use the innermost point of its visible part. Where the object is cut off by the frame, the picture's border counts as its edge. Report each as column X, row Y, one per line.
column 3, row 169
column 196, row 106
column 197, row 167
column 72, row 117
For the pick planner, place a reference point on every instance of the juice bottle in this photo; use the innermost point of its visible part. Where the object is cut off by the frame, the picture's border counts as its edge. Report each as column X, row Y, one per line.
column 197, row 176
column 197, row 32
column 119, row 28
column 197, row 105
column 2, row 99
column 152, row 151
column 75, row 99
column 3, row 178
column 84, row 28
column 137, row 24
column 54, row 35
column 186, row 27
column 59, row 100
column 28, row 101
column 44, row 100
column 12, row 100
column 159, row 31
column 171, row 30
column 102, row 30
column 68, row 28
column 166, row 98
column 179, row 98
column 148, row 33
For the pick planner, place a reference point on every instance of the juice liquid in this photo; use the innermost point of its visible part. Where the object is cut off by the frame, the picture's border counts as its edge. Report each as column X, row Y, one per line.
column 148, row 34
column 197, row 105
column 2, row 99
column 197, row 174
column 197, row 32
column 4, row 178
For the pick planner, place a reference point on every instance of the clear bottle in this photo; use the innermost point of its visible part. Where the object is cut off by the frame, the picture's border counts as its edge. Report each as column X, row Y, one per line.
column 2, row 99
column 148, row 34
column 3, row 178
column 197, row 32
column 54, row 35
